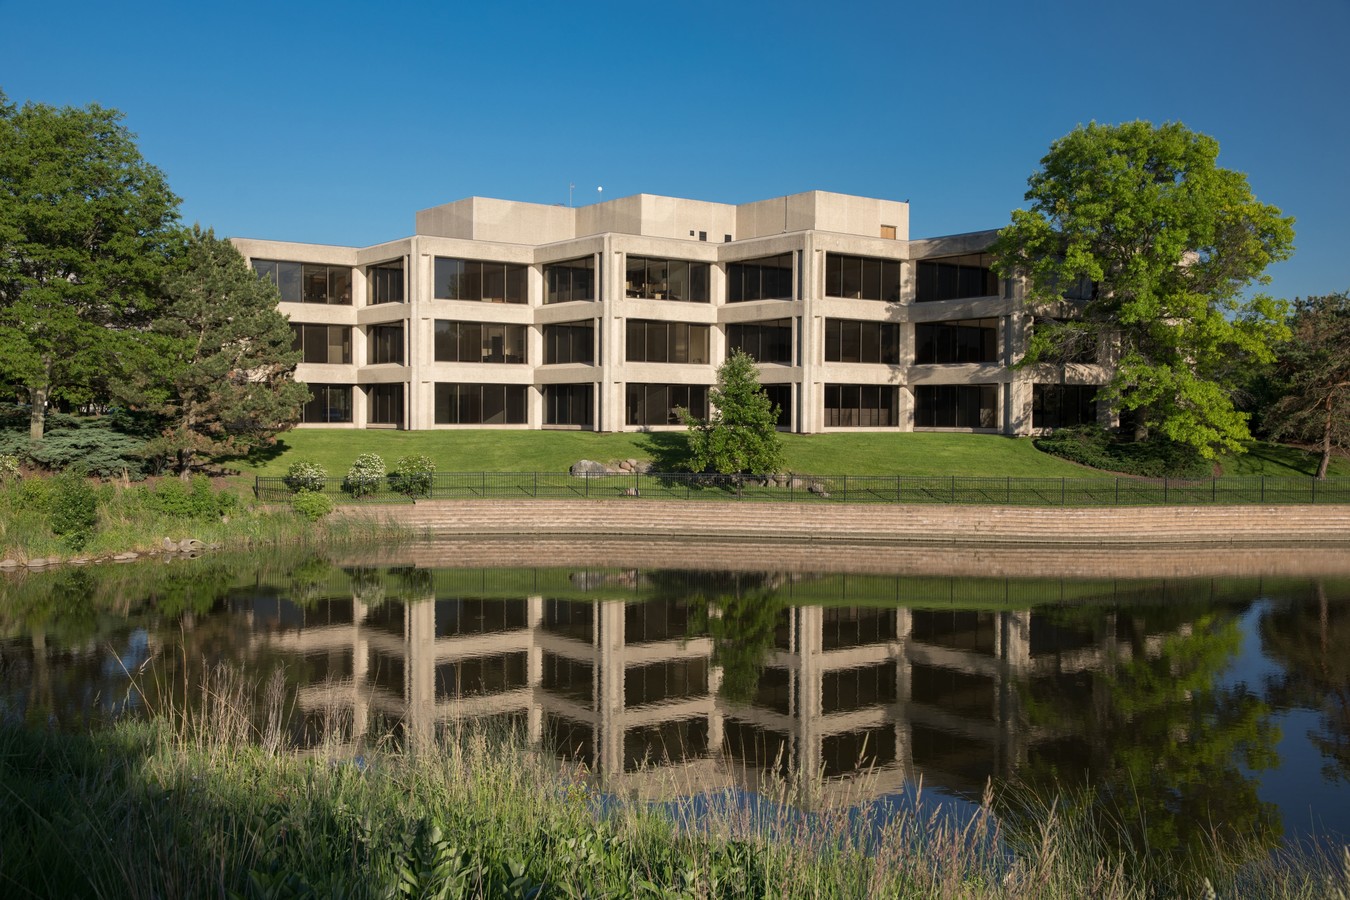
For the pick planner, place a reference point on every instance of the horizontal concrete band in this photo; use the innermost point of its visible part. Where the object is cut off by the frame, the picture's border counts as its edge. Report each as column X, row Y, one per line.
column 879, row 523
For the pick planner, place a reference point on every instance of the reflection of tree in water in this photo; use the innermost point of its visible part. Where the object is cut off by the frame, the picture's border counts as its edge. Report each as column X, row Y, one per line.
column 741, row 612
column 1311, row 641
column 1163, row 747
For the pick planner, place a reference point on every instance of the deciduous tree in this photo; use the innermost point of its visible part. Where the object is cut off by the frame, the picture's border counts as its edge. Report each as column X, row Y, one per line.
column 223, row 375
column 1313, row 377
column 1172, row 242
column 85, row 223
column 741, row 434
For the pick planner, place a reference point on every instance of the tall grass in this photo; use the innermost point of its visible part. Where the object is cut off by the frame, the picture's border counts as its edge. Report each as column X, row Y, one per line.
column 137, row 517
column 218, row 804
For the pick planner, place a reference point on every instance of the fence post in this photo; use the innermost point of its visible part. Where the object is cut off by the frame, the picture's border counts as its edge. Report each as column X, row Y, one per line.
column 588, row 484
column 1214, row 490
column 536, row 485
column 482, row 483
column 1314, row 490
column 897, row 489
column 1117, row 491
column 1007, row 492
column 953, row 488
column 1263, row 489
column 845, row 488
column 1164, row 489
column 1062, row 485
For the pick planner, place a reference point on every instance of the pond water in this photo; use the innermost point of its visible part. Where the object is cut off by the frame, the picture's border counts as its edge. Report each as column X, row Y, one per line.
column 1191, row 703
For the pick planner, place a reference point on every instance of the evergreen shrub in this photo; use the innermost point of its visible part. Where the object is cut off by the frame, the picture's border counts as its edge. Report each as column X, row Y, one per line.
column 1092, row 445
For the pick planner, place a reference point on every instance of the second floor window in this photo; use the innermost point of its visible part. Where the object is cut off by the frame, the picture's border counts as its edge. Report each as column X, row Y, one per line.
column 570, row 280
column 385, row 344
column 480, row 342
column 570, row 343
column 959, row 341
column 850, row 340
column 322, row 343
column 666, row 342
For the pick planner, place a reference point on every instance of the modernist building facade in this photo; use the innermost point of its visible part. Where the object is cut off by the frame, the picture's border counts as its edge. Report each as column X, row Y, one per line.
column 611, row 317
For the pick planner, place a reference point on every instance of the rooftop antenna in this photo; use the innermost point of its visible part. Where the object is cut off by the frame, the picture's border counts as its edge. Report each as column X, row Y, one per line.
column 571, row 186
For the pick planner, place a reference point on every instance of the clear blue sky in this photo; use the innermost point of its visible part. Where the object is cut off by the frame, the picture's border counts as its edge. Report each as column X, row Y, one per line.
column 335, row 122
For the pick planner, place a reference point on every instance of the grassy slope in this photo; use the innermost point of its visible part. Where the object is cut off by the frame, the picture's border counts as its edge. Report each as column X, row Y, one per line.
column 553, row 451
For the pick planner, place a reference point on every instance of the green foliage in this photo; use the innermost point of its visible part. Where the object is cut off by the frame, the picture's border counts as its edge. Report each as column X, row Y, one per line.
column 365, row 476
column 1091, row 445
column 195, row 500
column 221, row 369
column 412, row 475
column 1312, row 378
column 92, row 445
column 73, row 509
column 312, row 506
column 85, row 224
column 303, row 475
column 741, row 436
column 1172, row 242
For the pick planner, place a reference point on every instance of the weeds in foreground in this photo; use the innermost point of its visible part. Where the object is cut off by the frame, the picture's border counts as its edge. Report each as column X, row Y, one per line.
column 219, row 804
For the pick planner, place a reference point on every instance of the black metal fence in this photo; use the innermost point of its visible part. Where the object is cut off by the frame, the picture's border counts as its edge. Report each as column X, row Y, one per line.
column 841, row 489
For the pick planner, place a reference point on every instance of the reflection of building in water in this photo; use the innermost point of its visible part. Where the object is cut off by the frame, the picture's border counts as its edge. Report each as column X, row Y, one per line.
column 631, row 687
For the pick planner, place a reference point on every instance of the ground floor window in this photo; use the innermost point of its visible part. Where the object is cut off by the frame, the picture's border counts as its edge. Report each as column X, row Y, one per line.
column 860, row 405
column 328, row 403
column 956, row 406
column 781, row 396
column 480, row 404
column 385, row 404
column 569, row 404
column 1062, row 405
column 657, row 404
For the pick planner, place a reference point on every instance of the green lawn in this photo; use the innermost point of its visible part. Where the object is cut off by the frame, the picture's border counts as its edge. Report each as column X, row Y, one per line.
column 865, row 453
column 554, row 451
column 1278, row 459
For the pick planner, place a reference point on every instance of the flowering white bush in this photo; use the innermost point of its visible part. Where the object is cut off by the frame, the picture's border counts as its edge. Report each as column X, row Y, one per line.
column 306, row 476
column 365, row 475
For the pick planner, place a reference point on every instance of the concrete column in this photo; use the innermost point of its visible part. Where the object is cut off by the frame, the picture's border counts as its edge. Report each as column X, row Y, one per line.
column 609, row 413
column 421, row 342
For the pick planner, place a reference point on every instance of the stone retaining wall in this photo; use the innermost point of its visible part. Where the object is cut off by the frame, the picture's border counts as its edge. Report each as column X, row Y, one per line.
column 891, row 524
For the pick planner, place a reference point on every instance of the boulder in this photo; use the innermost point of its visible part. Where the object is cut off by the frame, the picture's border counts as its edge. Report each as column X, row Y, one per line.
column 630, row 492
column 588, row 467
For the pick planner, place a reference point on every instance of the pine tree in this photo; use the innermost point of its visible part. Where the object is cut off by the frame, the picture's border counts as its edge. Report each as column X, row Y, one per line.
column 741, row 436
column 221, row 367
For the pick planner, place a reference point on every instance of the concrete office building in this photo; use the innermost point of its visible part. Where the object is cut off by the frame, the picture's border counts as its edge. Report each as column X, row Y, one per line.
column 609, row 317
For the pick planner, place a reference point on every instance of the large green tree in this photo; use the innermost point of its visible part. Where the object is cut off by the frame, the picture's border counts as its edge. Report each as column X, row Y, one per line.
column 223, row 366
column 1313, row 377
column 1172, row 242
column 741, row 434
column 85, row 224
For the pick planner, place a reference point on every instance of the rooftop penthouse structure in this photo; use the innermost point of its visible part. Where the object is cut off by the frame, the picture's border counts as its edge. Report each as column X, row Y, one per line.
column 613, row 316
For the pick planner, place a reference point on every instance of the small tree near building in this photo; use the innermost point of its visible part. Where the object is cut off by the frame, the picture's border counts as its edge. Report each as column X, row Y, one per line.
column 1313, row 377
column 741, row 434
column 222, row 374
